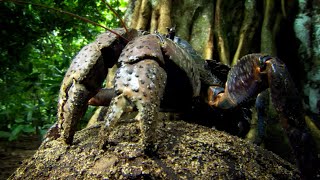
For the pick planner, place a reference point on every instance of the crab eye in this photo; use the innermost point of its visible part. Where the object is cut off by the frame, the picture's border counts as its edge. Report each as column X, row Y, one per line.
column 263, row 60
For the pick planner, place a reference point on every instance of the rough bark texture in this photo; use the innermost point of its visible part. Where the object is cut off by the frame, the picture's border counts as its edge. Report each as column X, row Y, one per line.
column 307, row 29
column 193, row 20
column 184, row 151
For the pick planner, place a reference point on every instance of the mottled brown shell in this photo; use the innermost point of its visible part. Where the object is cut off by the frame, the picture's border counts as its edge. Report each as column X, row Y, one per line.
column 143, row 47
column 185, row 61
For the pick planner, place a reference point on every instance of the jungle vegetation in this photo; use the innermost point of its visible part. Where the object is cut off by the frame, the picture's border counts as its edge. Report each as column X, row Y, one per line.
column 37, row 45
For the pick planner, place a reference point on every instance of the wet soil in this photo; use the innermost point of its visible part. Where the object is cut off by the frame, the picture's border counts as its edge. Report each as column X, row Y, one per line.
column 13, row 153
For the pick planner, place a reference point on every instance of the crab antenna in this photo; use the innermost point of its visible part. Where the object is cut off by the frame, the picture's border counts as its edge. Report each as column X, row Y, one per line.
column 70, row 14
column 116, row 14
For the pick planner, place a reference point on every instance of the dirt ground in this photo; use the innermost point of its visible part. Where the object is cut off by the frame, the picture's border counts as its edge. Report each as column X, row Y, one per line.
column 13, row 153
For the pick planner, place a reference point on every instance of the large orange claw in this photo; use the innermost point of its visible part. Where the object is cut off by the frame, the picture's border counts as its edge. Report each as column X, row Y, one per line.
column 245, row 80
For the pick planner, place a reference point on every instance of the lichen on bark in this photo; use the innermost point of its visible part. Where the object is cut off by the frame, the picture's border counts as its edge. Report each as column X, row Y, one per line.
column 307, row 31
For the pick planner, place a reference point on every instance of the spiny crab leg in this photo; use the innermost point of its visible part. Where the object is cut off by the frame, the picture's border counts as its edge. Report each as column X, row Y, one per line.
column 82, row 80
column 253, row 74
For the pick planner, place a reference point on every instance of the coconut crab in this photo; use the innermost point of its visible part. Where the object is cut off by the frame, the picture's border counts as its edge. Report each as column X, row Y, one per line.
column 146, row 61
column 162, row 70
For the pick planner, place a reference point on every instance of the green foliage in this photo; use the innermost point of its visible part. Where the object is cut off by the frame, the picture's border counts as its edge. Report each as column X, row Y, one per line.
column 37, row 45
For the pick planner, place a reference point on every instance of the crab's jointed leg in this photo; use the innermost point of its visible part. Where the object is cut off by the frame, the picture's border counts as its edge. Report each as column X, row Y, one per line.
column 141, row 82
column 140, row 85
column 103, row 97
column 82, row 81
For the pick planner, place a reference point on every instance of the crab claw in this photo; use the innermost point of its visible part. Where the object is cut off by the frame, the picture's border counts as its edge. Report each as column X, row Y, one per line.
column 245, row 80
column 253, row 74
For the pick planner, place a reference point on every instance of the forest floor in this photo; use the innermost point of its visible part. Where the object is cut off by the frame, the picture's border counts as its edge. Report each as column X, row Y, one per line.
column 13, row 153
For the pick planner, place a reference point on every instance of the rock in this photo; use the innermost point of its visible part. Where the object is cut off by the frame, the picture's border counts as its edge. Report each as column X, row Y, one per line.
column 183, row 151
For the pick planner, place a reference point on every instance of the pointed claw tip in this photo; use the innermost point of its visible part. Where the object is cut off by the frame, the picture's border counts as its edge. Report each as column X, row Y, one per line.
column 263, row 59
column 215, row 90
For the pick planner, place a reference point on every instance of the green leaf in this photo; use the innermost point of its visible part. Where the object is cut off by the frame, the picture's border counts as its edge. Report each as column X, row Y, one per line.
column 39, row 46
column 19, row 120
column 29, row 129
column 4, row 134
column 29, row 115
column 15, row 133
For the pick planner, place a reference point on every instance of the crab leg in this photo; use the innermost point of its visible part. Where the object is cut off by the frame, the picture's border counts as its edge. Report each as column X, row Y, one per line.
column 286, row 100
column 139, row 85
column 262, row 104
column 78, row 87
column 82, row 81
column 85, row 74
column 103, row 97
